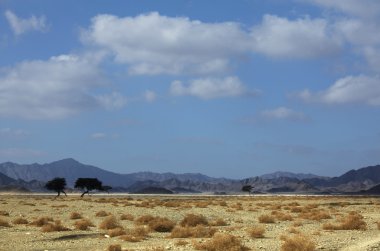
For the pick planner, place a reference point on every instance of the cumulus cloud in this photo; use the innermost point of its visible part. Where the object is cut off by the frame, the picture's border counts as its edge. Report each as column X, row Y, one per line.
column 9, row 132
column 210, row 88
column 20, row 25
column 112, row 101
column 283, row 113
column 51, row 89
column 154, row 44
column 300, row 38
column 348, row 90
column 150, row 96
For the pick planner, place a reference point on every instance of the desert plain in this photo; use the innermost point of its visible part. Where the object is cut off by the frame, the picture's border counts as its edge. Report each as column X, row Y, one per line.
column 189, row 222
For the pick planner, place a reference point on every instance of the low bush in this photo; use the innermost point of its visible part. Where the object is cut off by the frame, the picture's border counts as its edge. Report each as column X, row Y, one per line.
column 192, row 232
column 83, row 224
column 75, row 216
column 54, row 227
column 266, row 218
column 192, row 220
column 4, row 223
column 256, row 232
column 297, row 243
column 110, row 222
column 222, row 242
column 20, row 221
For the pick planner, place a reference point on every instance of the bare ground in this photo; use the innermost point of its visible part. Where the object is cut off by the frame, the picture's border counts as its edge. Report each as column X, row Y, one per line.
column 292, row 215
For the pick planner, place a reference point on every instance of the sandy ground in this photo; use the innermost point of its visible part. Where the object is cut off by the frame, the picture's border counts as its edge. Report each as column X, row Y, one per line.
column 239, row 212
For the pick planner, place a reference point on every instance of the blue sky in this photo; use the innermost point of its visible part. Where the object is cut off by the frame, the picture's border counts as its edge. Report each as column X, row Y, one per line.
column 232, row 89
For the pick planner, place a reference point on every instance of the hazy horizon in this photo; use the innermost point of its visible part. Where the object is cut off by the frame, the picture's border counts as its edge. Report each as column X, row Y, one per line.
column 227, row 90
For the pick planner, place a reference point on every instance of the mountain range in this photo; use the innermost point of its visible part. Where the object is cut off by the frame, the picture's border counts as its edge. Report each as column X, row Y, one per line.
column 33, row 177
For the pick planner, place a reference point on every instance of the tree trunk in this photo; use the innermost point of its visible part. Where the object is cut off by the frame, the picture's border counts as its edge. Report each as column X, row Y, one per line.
column 84, row 193
column 64, row 192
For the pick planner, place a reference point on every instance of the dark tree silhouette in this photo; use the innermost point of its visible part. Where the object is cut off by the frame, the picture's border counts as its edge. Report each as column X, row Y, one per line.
column 88, row 184
column 56, row 184
column 247, row 188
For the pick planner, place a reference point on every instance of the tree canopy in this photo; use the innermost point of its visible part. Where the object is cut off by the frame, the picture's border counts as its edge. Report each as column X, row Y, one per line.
column 57, row 184
column 88, row 184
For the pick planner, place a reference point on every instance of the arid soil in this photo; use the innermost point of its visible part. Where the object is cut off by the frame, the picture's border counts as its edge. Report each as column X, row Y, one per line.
column 38, row 222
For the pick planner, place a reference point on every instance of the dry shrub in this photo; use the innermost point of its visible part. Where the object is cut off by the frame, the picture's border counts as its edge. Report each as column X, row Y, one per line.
column 83, row 224
column 158, row 224
column 193, row 232
column 161, row 224
column 114, row 247
column 110, row 222
column 4, row 223
column 192, row 220
column 129, row 217
column 135, row 235
column 116, row 232
column 282, row 216
column 293, row 230
column 20, row 221
column 256, row 232
column 222, row 242
column 218, row 222
column 353, row 221
column 41, row 221
column 144, row 220
column 54, row 227
column 102, row 214
column 4, row 213
column 266, row 218
column 75, row 216
column 181, row 243
column 315, row 214
column 297, row 242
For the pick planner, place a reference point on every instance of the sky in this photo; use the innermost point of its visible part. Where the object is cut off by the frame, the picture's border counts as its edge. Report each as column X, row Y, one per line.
column 225, row 88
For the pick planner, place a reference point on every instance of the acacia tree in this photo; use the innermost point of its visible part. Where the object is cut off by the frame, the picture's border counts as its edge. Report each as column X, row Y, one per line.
column 57, row 184
column 247, row 188
column 88, row 184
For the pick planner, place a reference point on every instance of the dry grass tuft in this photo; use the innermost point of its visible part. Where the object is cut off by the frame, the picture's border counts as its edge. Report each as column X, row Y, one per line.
column 158, row 224
column 110, row 222
column 297, row 243
column 4, row 223
column 222, row 242
column 129, row 217
column 54, row 227
column 4, row 213
column 83, row 224
column 114, row 247
column 102, row 214
column 353, row 221
column 116, row 232
column 256, row 232
column 20, row 221
column 192, row 232
column 161, row 224
column 75, row 216
column 136, row 234
column 41, row 221
column 218, row 223
column 266, row 218
column 192, row 220
column 181, row 243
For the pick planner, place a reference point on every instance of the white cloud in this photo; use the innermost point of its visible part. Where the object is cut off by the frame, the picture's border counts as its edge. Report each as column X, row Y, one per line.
column 98, row 135
column 20, row 152
column 112, row 101
column 9, row 132
column 301, row 38
column 154, row 44
column 20, row 26
column 51, row 89
column 362, row 8
column 352, row 89
column 209, row 88
column 150, row 96
column 283, row 113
